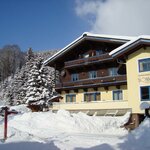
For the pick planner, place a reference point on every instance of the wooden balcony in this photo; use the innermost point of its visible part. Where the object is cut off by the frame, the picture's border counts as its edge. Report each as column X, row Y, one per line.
column 97, row 82
column 87, row 61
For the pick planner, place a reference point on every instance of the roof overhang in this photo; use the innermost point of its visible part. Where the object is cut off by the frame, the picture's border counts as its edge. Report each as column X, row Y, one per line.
column 87, row 36
column 128, row 47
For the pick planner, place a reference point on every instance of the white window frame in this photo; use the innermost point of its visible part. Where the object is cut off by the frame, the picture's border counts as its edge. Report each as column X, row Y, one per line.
column 71, row 94
column 110, row 70
column 91, row 75
column 73, row 77
column 91, row 93
column 138, row 64
column 141, row 93
column 117, row 91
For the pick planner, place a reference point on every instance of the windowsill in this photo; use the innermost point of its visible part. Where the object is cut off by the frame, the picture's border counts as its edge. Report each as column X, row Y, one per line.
column 102, row 101
column 144, row 73
column 117, row 100
column 148, row 100
column 70, row 102
column 91, row 101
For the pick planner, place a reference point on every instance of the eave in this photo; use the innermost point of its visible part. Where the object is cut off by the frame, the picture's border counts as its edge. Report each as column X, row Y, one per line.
column 86, row 36
column 92, row 83
column 130, row 47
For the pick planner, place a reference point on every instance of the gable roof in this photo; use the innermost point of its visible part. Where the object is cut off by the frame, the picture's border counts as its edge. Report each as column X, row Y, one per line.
column 143, row 39
column 87, row 35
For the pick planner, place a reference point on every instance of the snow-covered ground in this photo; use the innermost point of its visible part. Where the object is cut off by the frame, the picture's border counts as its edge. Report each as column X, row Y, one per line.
column 65, row 131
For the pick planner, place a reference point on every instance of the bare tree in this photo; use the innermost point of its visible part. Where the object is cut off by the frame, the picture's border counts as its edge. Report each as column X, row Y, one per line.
column 11, row 59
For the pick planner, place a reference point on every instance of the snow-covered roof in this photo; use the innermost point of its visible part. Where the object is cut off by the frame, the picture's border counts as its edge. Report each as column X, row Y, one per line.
column 54, row 97
column 114, row 38
column 109, row 36
column 130, row 44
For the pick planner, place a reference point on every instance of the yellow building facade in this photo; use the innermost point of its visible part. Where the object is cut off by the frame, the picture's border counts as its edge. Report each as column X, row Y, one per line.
column 137, row 79
column 104, row 103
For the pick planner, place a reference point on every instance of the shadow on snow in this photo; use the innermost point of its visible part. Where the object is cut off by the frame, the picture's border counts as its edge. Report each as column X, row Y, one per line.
column 28, row 146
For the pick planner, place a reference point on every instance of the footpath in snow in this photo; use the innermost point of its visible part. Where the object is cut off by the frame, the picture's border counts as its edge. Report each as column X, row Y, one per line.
column 65, row 131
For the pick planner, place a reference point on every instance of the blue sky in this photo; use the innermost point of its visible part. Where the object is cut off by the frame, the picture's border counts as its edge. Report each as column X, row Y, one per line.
column 53, row 24
column 40, row 24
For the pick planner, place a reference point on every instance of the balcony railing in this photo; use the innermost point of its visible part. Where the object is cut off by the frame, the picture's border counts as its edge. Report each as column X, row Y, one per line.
column 89, row 60
column 101, row 81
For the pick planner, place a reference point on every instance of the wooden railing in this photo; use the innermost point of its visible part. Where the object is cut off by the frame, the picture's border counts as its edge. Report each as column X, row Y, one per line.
column 89, row 60
column 98, row 81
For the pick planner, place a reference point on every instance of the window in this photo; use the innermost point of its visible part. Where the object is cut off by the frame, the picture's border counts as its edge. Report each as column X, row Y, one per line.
column 145, row 93
column 113, row 71
column 74, row 77
column 92, row 96
column 144, row 65
column 117, row 95
column 92, row 74
column 99, row 52
column 70, row 98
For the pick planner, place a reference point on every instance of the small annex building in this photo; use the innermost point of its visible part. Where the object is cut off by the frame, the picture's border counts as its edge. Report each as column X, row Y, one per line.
column 103, row 74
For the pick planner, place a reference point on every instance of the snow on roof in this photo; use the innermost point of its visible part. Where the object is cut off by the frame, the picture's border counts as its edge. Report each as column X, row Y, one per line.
column 125, row 46
column 109, row 36
column 62, row 50
column 55, row 96
column 87, row 34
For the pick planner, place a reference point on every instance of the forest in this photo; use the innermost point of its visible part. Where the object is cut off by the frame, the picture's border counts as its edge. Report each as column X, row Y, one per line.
column 23, row 78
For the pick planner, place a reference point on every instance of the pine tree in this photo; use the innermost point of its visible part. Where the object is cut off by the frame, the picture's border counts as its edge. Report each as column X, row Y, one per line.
column 39, row 88
column 32, row 84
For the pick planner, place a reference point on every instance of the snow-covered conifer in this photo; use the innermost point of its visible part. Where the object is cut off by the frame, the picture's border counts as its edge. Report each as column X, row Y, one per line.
column 33, row 83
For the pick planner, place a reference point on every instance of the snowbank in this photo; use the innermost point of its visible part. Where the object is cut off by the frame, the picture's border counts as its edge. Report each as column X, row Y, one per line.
column 62, row 130
column 48, row 124
column 81, row 122
column 139, row 138
column 20, row 108
column 63, row 121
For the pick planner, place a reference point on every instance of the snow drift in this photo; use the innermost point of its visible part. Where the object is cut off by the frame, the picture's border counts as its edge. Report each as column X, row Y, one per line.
column 62, row 130
column 139, row 138
column 45, row 127
column 46, row 124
